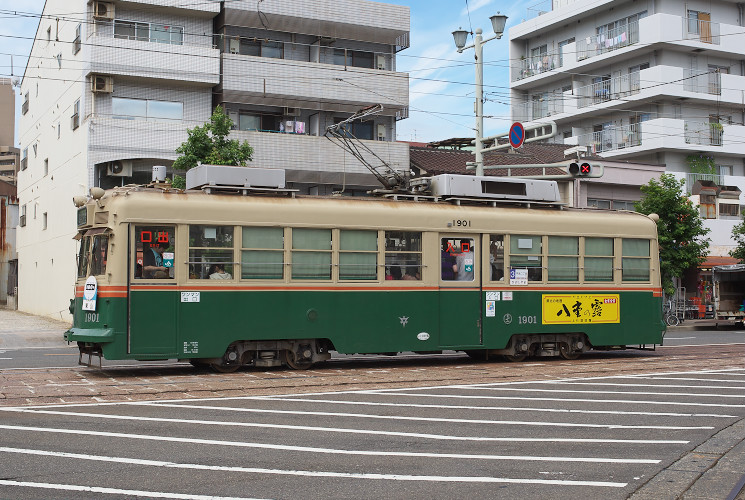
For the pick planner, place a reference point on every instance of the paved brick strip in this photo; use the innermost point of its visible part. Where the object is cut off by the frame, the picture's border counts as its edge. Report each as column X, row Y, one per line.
column 146, row 383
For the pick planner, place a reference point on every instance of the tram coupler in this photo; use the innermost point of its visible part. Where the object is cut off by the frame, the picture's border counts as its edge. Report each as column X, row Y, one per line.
column 92, row 350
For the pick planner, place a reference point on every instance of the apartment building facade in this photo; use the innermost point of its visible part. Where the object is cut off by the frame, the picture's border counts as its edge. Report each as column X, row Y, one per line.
column 112, row 87
column 647, row 81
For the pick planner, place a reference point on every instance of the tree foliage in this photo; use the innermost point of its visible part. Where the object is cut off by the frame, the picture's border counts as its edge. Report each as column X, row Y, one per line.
column 738, row 234
column 680, row 229
column 209, row 144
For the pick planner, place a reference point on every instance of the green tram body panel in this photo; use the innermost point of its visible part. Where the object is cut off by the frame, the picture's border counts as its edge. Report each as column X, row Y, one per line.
column 355, row 322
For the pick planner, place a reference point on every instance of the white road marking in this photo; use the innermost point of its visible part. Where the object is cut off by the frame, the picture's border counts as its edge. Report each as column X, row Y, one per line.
column 653, row 377
column 679, row 338
column 485, row 408
column 418, row 419
column 340, row 430
column 561, row 400
column 660, row 386
column 349, row 475
column 115, row 491
column 336, row 451
column 632, row 393
column 698, row 345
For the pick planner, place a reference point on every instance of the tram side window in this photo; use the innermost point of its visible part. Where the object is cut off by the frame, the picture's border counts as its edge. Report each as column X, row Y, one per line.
column 83, row 257
column 635, row 260
column 99, row 254
column 262, row 253
column 496, row 257
column 210, row 252
column 154, row 252
column 598, row 259
column 526, row 253
column 563, row 258
column 403, row 255
column 311, row 254
column 358, row 255
column 457, row 259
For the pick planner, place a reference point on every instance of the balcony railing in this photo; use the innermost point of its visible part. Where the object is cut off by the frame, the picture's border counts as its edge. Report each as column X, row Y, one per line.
column 536, row 65
column 607, row 90
column 704, row 133
column 703, row 83
column 702, row 31
column 612, row 139
column 546, row 6
column 535, row 109
column 607, row 41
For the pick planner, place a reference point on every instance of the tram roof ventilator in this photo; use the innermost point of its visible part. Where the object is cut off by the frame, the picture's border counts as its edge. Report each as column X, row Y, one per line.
column 245, row 180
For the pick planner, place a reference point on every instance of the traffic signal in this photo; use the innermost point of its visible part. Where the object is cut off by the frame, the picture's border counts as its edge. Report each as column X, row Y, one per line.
column 583, row 169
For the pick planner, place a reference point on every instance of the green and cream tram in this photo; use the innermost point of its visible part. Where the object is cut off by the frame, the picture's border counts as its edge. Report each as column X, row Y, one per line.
column 228, row 280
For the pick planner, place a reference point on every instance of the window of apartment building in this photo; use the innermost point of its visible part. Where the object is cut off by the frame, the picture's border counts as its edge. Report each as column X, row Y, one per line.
column 359, row 129
column 46, row 166
column 59, row 130
column 698, row 22
column 563, row 44
column 356, row 58
column 259, row 121
column 75, row 119
column 24, row 107
column 76, row 43
column 24, row 159
column 724, row 169
column 261, row 48
column 149, row 109
column 149, row 32
column 22, row 221
column 729, row 210
column 44, row 221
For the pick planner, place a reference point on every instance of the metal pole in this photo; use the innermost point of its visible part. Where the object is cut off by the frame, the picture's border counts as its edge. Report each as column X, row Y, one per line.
column 479, row 103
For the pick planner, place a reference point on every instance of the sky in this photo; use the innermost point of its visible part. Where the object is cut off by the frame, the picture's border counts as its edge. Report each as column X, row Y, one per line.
column 441, row 81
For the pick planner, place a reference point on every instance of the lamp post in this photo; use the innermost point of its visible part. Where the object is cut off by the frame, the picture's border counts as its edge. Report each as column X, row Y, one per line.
column 459, row 36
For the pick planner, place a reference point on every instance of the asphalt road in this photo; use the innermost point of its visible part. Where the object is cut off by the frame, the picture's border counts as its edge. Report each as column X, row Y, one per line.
column 67, row 356
column 596, row 437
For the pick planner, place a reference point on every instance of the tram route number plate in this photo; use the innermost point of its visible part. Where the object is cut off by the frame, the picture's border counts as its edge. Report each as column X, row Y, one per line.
column 190, row 296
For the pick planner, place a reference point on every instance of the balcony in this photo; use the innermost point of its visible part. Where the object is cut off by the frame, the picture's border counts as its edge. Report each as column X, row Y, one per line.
column 273, row 82
column 359, row 20
column 197, row 64
column 607, row 41
column 536, row 65
column 702, row 31
column 703, row 133
column 703, row 83
column 665, row 134
column 612, row 139
column 608, row 90
column 546, row 6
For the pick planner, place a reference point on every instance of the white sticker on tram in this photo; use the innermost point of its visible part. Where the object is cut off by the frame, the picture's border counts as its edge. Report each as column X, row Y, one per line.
column 190, row 296
column 345, row 475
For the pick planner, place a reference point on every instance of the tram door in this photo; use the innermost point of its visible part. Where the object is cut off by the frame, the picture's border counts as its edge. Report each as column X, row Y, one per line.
column 460, row 290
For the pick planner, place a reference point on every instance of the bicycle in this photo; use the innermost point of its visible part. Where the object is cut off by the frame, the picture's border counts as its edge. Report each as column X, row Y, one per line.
column 669, row 315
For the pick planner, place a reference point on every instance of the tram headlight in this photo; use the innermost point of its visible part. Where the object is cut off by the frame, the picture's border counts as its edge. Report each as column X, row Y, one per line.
column 97, row 193
column 79, row 201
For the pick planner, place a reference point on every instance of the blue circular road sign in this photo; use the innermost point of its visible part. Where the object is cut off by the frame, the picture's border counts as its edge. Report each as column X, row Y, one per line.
column 517, row 135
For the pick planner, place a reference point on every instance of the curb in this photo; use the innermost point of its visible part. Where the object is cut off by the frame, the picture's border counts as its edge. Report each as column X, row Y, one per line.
column 714, row 469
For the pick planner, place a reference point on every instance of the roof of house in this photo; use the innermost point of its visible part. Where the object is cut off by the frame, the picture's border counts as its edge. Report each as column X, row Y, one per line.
column 435, row 161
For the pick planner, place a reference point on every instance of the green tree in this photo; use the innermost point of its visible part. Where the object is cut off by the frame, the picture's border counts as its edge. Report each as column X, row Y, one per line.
column 738, row 234
column 680, row 229
column 209, row 144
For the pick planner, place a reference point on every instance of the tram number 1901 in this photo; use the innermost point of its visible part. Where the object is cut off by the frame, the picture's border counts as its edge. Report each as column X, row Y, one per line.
column 527, row 320
column 91, row 317
column 460, row 223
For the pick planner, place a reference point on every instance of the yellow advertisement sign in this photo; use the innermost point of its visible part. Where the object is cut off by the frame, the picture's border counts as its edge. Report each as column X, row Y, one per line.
column 570, row 309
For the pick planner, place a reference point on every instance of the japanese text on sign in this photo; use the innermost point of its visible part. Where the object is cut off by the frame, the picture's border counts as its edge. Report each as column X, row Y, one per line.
column 570, row 309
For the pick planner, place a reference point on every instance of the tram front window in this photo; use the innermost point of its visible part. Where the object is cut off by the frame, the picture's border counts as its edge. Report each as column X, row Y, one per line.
column 83, row 257
column 99, row 254
column 154, row 252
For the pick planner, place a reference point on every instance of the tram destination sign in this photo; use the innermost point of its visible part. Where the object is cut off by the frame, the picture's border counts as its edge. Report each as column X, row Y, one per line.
column 571, row 309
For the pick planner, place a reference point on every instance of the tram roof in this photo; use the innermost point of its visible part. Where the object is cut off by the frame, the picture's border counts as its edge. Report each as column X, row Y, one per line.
column 149, row 205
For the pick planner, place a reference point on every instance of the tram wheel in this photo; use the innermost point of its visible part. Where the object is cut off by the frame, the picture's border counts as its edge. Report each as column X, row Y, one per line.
column 290, row 359
column 566, row 353
column 219, row 368
column 515, row 357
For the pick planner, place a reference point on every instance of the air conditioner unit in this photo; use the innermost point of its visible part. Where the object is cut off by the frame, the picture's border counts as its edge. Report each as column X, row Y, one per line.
column 119, row 168
column 101, row 83
column 291, row 111
column 380, row 61
column 234, row 46
column 103, row 10
column 381, row 132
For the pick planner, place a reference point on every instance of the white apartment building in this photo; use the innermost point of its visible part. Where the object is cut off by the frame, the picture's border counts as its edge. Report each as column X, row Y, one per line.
column 648, row 81
column 112, row 87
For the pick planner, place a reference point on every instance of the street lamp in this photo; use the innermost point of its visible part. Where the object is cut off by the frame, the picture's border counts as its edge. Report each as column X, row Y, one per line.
column 459, row 36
